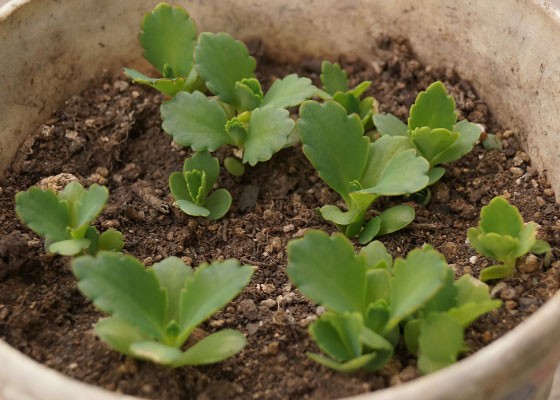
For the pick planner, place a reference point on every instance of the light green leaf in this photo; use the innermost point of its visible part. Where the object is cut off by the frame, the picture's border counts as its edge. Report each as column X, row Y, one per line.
column 411, row 333
column 111, row 240
column 415, row 281
column 471, row 290
column 237, row 130
column 377, row 315
column 93, row 236
column 154, row 351
column 43, row 213
column 69, row 247
column 469, row 134
column 269, row 129
column 336, row 215
column 377, row 256
column 542, row 247
column 188, row 207
column 234, row 166
column 383, row 350
column 326, row 270
column 350, row 102
column 289, row 91
column 500, row 217
column 196, row 121
column 361, row 88
column 432, row 142
column 218, row 203
column 91, row 204
column 378, row 285
column 435, row 174
column 468, row 312
column 444, row 299
column 433, row 108
column 370, row 230
column 334, row 143
column 72, row 193
column 333, row 78
column 121, row 286
column 168, row 86
column 492, row 142
column 168, row 36
column 247, row 100
column 171, row 274
column 388, row 124
column 203, row 161
column 527, row 239
column 338, row 335
column 209, row 289
column 178, row 187
column 213, row 348
column 395, row 218
column 119, row 334
column 440, row 341
column 496, row 272
column 221, row 61
column 196, row 183
column 496, row 246
column 348, row 366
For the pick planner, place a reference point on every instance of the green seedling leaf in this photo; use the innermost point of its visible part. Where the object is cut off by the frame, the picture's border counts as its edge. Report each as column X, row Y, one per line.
column 221, row 61
column 416, row 279
column 234, row 166
column 433, row 108
column 378, row 285
column 377, row 256
column 69, row 247
column 196, row 183
column 360, row 89
column 395, row 218
column 168, row 86
column 411, row 334
column 154, row 351
column 171, row 274
column 44, row 213
column 349, row 366
column 338, row 335
column 388, row 124
column 444, row 299
column 209, row 289
column 213, row 348
column 196, row 121
column 469, row 133
column 168, row 37
column 336, row 215
column 370, row 230
column 111, row 240
column 237, row 130
column 119, row 334
column 500, row 217
column 120, row 286
column 326, row 270
column 333, row 78
column 350, row 102
column 289, row 91
column 334, row 143
column 218, row 203
column 377, row 315
column 91, row 204
column 268, row 132
column 541, row 247
column 247, row 99
column 188, row 207
column 432, row 142
column 467, row 313
column 440, row 341
column 382, row 349
column 496, row 272
column 434, row 175
column 492, row 142
column 203, row 161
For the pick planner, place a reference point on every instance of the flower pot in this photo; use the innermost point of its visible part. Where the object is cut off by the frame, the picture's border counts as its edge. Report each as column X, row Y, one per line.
column 508, row 50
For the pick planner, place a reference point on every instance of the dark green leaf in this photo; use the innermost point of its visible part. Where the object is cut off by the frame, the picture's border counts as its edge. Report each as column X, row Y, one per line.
column 234, row 166
column 388, row 124
column 333, row 78
column 383, row 350
column 111, row 240
column 336, row 215
column 247, row 100
column 218, row 203
column 433, row 108
column 395, row 218
column 370, row 230
column 196, row 183
column 435, row 174
column 338, row 335
column 350, row 102
column 289, row 91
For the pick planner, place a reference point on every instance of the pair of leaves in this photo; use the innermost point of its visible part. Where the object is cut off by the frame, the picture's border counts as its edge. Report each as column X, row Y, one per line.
column 383, row 294
column 335, row 87
column 356, row 169
column 502, row 235
column 168, row 38
column 191, row 187
column 64, row 219
column 153, row 311
column 432, row 129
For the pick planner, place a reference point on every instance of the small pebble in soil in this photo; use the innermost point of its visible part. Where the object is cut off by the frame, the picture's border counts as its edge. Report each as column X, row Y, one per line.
column 529, row 265
column 473, row 260
column 496, row 290
column 249, row 309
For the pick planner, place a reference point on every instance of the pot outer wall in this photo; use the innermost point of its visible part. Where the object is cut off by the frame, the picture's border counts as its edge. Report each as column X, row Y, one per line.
column 509, row 50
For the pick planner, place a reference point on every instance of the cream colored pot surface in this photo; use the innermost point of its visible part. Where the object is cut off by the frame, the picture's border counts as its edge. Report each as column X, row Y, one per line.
column 509, row 50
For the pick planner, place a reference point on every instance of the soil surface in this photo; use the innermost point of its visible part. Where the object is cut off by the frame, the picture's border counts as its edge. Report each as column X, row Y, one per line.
column 111, row 134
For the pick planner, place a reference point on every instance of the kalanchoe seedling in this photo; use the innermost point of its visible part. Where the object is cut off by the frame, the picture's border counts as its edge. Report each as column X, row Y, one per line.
column 64, row 219
column 433, row 129
column 358, row 170
column 168, row 38
column 502, row 235
column 191, row 187
column 154, row 311
column 240, row 114
column 369, row 297
column 335, row 87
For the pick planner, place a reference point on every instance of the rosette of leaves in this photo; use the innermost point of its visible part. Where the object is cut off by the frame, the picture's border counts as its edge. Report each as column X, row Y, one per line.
column 64, row 219
column 153, row 311
column 239, row 114
column 433, row 129
column 358, row 170
column 191, row 187
column 168, row 37
column 336, row 87
column 502, row 235
column 370, row 299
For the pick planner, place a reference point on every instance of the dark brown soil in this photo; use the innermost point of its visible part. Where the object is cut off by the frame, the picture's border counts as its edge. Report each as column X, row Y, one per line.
column 111, row 134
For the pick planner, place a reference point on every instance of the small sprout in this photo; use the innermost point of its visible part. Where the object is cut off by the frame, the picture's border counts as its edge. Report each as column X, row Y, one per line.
column 492, row 142
column 168, row 38
column 335, row 87
column 191, row 187
column 64, row 219
column 153, row 311
column 240, row 114
column 358, row 170
column 502, row 235
column 368, row 298
column 432, row 129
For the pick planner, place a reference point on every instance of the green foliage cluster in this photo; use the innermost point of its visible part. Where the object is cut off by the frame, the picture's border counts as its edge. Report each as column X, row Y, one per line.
column 502, row 235
column 370, row 299
column 64, row 219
